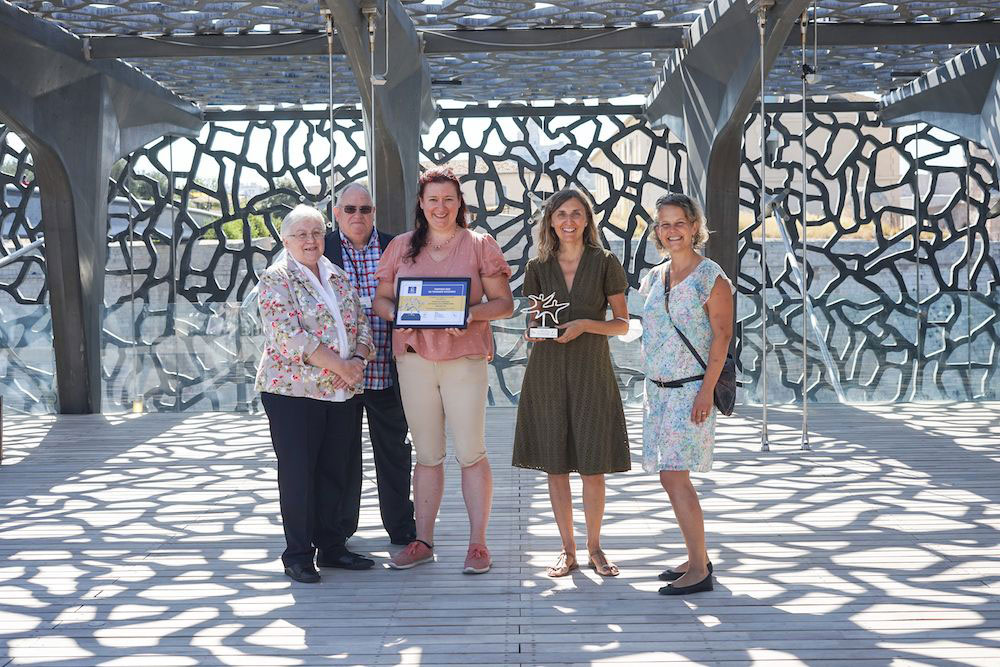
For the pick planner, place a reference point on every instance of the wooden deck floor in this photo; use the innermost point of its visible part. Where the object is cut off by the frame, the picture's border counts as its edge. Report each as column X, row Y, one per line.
column 154, row 539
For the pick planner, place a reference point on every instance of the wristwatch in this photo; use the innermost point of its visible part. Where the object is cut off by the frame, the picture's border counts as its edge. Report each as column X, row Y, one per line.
column 363, row 360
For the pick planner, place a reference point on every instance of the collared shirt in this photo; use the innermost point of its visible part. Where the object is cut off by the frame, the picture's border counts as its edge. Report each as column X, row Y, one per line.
column 360, row 266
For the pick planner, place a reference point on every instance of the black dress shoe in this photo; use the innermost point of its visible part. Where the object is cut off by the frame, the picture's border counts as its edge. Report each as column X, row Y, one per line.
column 345, row 560
column 671, row 575
column 304, row 573
column 402, row 539
column 702, row 586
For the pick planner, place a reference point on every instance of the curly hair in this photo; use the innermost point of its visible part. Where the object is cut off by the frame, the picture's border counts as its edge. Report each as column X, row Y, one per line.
column 547, row 241
column 420, row 230
column 691, row 211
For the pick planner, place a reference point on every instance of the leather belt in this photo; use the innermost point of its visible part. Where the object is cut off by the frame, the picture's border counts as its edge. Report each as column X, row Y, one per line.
column 676, row 384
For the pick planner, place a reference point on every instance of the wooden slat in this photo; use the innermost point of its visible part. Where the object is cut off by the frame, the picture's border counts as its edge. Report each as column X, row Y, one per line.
column 154, row 540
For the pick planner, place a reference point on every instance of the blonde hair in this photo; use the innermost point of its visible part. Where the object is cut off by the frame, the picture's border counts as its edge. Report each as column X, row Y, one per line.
column 547, row 242
column 691, row 211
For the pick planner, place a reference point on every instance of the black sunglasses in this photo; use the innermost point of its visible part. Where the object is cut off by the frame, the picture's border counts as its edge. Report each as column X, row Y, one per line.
column 351, row 210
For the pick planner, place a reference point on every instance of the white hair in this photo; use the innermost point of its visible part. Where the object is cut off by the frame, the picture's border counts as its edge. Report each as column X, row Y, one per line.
column 299, row 214
column 352, row 186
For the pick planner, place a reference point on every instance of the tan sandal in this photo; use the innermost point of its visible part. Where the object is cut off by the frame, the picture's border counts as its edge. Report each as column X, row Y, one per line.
column 564, row 565
column 605, row 568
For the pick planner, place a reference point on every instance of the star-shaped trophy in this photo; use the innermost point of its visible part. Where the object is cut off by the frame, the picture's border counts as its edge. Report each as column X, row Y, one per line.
column 542, row 307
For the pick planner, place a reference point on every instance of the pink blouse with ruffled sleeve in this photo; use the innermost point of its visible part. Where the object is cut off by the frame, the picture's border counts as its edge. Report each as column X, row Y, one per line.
column 473, row 255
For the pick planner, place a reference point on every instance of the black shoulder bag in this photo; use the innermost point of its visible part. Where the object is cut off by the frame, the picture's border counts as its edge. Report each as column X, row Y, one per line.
column 725, row 388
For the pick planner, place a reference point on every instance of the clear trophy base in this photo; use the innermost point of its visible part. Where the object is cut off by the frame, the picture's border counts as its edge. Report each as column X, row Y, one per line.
column 543, row 332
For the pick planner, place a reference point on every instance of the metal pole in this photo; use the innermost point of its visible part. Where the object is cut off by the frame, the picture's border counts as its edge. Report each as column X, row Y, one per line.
column 805, row 251
column 761, row 24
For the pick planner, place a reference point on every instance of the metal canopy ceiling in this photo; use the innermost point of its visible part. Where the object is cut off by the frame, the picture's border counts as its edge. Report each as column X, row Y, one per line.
column 257, row 78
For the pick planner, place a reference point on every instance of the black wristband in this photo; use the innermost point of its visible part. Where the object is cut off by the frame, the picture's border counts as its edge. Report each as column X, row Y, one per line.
column 358, row 356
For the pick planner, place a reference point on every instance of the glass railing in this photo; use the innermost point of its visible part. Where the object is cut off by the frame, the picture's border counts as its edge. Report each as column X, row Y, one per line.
column 203, row 357
column 27, row 360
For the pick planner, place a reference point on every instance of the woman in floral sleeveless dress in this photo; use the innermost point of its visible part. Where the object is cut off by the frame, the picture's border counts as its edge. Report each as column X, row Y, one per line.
column 679, row 421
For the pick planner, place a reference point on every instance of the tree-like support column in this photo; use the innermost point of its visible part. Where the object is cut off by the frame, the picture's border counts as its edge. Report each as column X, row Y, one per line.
column 397, row 103
column 77, row 118
column 704, row 94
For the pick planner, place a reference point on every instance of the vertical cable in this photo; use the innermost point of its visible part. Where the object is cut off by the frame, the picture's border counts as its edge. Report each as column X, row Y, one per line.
column 333, row 146
column 372, row 167
column 968, row 263
column 805, row 248
column 761, row 24
column 136, row 399
column 918, row 343
column 173, row 276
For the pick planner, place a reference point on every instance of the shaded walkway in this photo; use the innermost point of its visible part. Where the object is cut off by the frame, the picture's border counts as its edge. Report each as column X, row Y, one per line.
column 154, row 539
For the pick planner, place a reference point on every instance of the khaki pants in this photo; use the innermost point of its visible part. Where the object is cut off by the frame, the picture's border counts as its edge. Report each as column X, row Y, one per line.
column 439, row 392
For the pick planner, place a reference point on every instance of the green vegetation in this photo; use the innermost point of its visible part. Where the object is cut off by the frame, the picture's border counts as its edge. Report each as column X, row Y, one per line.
column 233, row 230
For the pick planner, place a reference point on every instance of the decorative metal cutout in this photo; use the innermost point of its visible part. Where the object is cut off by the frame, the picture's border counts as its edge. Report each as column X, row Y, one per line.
column 252, row 81
column 27, row 362
column 126, row 17
column 895, row 336
column 849, row 69
column 580, row 74
column 888, row 342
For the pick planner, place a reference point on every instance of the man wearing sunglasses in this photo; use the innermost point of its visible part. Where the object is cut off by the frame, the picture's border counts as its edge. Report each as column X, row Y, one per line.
column 356, row 246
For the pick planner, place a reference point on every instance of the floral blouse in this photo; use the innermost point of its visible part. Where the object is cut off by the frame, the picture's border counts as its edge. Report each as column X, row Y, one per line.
column 296, row 322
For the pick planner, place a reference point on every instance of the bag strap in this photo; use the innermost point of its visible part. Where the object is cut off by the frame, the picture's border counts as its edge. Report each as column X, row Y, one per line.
column 666, row 303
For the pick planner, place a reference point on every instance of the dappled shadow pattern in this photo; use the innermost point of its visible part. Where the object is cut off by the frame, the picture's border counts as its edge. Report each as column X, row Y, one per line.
column 155, row 539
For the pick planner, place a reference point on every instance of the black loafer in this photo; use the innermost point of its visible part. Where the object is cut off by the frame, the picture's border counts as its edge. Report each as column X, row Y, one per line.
column 302, row 573
column 670, row 575
column 344, row 560
column 702, row 586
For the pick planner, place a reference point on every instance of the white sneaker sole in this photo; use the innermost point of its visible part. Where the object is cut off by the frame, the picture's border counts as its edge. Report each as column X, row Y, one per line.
column 477, row 570
column 397, row 566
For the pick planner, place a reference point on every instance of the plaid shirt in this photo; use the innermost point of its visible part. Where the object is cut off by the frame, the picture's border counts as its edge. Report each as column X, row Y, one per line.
column 360, row 266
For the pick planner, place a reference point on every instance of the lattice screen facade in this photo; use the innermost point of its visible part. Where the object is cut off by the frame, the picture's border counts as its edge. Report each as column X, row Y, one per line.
column 886, row 330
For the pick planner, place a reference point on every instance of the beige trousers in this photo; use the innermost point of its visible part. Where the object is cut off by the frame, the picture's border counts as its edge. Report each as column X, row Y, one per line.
column 450, row 392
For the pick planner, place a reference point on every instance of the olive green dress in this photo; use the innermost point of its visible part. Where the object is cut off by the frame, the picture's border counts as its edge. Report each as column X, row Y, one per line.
column 569, row 416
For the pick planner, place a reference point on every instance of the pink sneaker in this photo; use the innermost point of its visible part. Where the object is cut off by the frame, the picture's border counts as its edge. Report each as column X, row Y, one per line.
column 415, row 553
column 477, row 561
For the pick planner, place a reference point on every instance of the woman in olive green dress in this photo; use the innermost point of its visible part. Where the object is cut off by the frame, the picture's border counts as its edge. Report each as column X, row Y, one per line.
column 569, row 416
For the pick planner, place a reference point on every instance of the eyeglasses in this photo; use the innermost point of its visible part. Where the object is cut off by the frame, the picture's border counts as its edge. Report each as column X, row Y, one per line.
column 312, row 236
column 364, row 210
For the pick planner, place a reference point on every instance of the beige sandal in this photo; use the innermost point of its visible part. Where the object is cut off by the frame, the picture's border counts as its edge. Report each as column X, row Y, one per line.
column 605, row 568
column 564, row 565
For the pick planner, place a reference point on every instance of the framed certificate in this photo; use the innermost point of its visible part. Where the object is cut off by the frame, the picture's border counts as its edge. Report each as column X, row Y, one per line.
column 432, row 303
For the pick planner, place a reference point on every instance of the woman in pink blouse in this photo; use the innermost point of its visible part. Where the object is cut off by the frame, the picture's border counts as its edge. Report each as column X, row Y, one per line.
column 443, row 372
column 317, row 342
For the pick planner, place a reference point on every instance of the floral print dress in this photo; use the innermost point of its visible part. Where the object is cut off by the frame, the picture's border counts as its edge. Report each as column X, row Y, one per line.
column 670, row 440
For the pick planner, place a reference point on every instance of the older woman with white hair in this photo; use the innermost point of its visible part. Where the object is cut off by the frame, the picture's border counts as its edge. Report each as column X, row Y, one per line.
column 317, row 343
